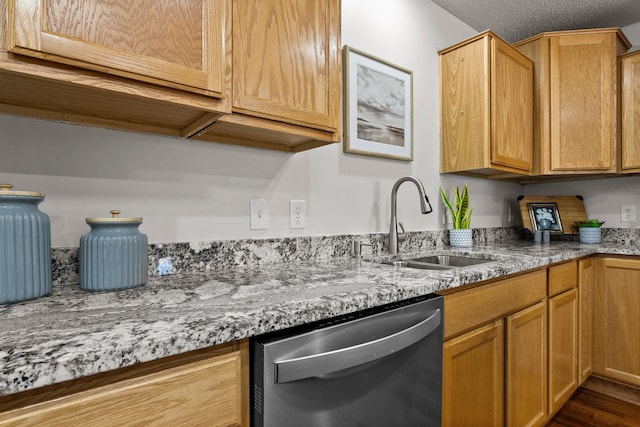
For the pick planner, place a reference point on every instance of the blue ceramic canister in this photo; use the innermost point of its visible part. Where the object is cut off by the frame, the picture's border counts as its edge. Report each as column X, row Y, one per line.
column 25, row 246
column 113, row 254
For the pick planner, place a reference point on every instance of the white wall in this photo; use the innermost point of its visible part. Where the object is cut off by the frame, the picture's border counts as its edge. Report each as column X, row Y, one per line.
column 190, row 191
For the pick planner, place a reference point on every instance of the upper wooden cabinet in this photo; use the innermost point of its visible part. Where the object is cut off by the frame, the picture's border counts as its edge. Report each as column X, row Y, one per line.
column 630, row 65
column 576, row 100
column 286, row 69
column 486, row 103
column 253, row 72
column 163, row 42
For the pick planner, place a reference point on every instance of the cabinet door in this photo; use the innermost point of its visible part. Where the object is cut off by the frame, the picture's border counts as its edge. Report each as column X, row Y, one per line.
column 583, row 102
column 286, row 62
column 526, row 367
column 511, row 107
column 585, row 319
column 631, row 113
column 164, row 42
column 617, row 320
column 208, row 392
column 563, row 348
column 473, row 378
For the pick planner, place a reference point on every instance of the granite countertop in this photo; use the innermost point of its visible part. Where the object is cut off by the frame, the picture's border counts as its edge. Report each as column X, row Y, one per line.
column 73, row 333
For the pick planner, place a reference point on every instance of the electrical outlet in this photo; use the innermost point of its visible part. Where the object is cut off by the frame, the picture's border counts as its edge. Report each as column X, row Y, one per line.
column 627, row 213
column 259, row 214
column 297, row 214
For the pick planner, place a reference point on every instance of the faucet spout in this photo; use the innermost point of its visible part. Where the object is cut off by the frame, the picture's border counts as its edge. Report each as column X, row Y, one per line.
column 425, row 208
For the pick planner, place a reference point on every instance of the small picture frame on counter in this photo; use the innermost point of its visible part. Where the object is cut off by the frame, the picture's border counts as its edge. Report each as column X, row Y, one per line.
column 545, row 216
column 378, row 107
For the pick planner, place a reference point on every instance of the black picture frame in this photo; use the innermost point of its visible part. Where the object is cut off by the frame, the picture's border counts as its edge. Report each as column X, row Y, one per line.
column 545, row 211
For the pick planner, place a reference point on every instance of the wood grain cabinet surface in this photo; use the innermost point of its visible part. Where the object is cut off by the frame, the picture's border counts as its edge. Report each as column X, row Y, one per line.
column 254, row 72
column 530, row 323
column 198, row 389
column 630, row 65
column 164, row 42
column 575, row 100
column 586, row 276
column 617, row 319
column 286, row 83
column 486, row 101
column 473, row 378
column 495, row 358
column 526, row 367
column 563, row 348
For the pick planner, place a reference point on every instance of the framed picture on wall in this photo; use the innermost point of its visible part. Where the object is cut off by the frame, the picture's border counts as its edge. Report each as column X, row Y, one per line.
column 378, row 107
column 545, row 216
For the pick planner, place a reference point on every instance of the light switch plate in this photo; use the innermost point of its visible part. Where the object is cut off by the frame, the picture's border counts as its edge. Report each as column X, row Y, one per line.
column 259, row 214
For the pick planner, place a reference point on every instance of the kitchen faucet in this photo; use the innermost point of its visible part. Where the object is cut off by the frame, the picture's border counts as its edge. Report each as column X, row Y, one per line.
column 425, row 207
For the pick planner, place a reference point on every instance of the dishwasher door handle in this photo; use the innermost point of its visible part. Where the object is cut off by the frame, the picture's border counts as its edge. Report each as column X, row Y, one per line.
column 336, row 360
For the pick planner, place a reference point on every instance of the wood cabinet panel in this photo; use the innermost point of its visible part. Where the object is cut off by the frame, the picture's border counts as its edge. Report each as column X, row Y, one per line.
column 473, row 378
column 630, row 99
column 563, row 348
column 483, row 82
column 526, row 367
column 163, row 42
column 511, row 107
column 617, row 320
column 471, row 307
column 563, row 277
column 585, row 319
column 286, row 61
column 583, row 102
column 208, row 392
column 576, row 100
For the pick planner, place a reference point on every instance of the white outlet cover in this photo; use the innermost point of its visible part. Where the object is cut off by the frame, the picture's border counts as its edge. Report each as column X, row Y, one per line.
column 297, row 214
column 627, row 213
column 259, row 214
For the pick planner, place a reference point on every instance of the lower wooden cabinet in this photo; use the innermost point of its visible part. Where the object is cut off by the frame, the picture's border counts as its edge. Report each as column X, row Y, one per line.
column 563, row 348
column 585, row 318
column 473, row 378
column 511, row 347
column 209, row 389
column 526, row 367
column 495, row 368
column 617, row 319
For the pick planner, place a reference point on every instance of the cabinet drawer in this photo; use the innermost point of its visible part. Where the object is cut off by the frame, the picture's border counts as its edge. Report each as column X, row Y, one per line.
column 563, row 277
column 206, row 392
column 469, row 308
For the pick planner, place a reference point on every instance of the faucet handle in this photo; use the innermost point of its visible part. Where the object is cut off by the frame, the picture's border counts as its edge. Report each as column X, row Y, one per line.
column 357, row 248
column 401, row 226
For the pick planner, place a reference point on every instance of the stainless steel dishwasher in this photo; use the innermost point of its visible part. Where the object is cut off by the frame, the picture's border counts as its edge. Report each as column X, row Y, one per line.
column 378, row 367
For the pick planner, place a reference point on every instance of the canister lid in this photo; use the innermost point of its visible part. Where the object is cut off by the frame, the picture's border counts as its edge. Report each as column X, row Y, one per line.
column 6, row 190
column 115, row 219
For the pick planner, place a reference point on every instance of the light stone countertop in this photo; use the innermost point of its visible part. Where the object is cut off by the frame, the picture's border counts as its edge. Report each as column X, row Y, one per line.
column 73, row 333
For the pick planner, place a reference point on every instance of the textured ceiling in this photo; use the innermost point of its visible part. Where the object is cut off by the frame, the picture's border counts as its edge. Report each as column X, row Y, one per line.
column 515, row 20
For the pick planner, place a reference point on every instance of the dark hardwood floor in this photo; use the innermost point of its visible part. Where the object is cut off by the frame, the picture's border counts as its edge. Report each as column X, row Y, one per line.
column 590, row 408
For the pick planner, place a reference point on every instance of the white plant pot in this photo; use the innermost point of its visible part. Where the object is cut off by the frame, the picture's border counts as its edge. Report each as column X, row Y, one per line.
column 590, row 234
column 461, row 238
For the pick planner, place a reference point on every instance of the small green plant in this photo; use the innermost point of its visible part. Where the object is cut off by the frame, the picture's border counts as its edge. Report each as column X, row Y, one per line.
column 592, row 223
column 462, row 212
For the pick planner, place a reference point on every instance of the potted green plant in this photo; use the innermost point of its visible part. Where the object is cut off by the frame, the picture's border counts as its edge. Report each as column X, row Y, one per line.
column 461, row 234
column 589, row 230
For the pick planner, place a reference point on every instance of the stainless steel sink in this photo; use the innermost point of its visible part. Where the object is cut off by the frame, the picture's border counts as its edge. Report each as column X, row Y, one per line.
column 439, row 262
